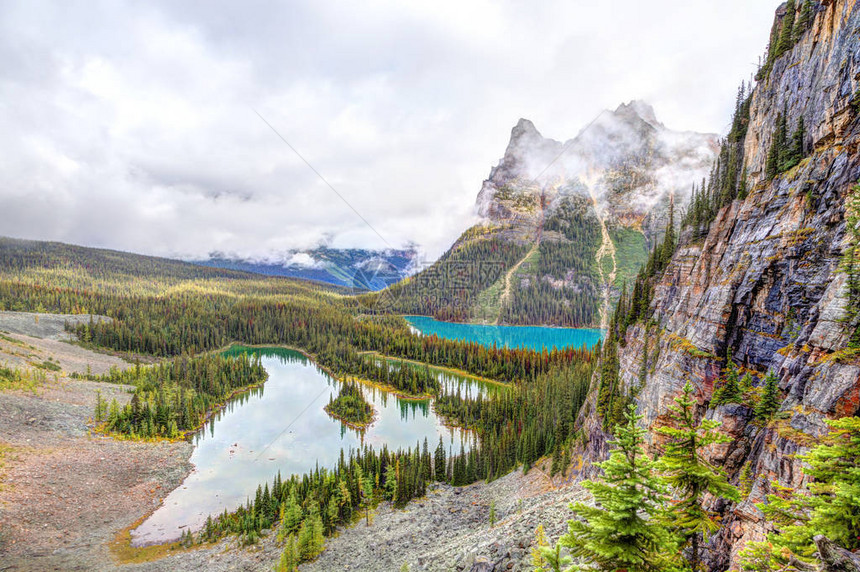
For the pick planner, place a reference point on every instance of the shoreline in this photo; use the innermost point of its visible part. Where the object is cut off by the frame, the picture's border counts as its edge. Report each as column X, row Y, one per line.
column 460, row 372
column 357, row 426
column 406, row 317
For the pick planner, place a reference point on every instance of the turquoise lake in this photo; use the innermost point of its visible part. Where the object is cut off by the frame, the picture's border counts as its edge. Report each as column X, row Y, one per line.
column 281, row 426
column 531, row 337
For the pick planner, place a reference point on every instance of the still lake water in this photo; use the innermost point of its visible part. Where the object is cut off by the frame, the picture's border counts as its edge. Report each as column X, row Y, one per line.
column 532, row 337
column 281, row 426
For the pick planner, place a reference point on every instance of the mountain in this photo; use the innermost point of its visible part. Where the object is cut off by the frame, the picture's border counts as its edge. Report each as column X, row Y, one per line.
column 563, row 226
column 354, row 268
column 763, row 279
column 59, row 266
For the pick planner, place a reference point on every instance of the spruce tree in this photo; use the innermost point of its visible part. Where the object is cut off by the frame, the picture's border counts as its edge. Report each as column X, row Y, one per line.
column 440, row 462
column 290, row 557
column 690, row 475
column 669, row 242
column 729, row 391
column 770, row 401
column 311, row 540
column 291, row 515
column 804, row 21
column 786, row 33
column 830, row 506
column 797, row 142
column 624, row 530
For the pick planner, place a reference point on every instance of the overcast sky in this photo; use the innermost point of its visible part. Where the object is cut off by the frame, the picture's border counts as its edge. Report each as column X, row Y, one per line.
column 132, row 125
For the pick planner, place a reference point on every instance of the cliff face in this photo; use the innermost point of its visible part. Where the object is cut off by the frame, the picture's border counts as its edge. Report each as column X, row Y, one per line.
column 766, row 282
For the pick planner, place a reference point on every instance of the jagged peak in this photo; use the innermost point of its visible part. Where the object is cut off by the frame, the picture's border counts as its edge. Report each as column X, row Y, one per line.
column 641, row 109
column 524, row 127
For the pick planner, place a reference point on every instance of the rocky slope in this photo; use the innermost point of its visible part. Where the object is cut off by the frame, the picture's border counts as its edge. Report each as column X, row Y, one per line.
column 575, row 220
column 766, row 283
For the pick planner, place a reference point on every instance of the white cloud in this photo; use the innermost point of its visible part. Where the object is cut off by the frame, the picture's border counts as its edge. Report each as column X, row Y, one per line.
column 132, row 125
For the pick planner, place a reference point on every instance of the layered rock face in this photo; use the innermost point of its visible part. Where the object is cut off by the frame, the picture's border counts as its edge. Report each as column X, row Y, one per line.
column 766, row 283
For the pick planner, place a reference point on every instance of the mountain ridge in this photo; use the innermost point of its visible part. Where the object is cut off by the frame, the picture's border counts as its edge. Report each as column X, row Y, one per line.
column 575, row 219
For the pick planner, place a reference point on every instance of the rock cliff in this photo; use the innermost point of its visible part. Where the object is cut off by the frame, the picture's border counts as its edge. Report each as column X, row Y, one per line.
column 765, row 284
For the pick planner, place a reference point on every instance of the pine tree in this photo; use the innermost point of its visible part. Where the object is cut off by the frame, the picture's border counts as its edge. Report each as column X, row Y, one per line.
column 786, row 33
column 804, row 21
column 729, row 391
column 831, row 507
column 290, row 557
column 624, row 531
column 746, row 382
column 643, row 370
column 742, row 185
column 439, row 458
column 669, row 241
column 311, row 540
column 775, row 151
column 797, row 142
column 770, row 401
column 291, row 515
column 690, row 475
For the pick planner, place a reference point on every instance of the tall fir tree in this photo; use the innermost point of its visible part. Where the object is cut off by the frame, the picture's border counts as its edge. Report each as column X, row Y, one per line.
column 690, row 475
column 439, row 462
column 729, row 391
column 830, row 507
column 770, row 401
column 625, row 529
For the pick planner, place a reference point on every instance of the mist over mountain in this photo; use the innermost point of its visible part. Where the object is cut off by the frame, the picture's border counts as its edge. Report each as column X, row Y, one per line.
column 351, row 267
column 563, row 226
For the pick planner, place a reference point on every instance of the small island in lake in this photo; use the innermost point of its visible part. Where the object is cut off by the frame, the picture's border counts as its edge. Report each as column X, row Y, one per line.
column 350, row 407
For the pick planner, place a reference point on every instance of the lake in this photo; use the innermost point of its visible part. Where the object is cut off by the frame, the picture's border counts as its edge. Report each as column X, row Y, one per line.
column 281, row 426
column 531, row 337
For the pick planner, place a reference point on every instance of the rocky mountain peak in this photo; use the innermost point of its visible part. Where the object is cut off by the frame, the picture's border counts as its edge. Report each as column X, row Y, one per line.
column 639, row 109
column 524, row 128
column 625, row 160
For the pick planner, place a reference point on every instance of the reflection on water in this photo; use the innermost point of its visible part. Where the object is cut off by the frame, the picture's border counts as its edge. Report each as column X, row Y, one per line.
column 281, row 426
column 449, row 381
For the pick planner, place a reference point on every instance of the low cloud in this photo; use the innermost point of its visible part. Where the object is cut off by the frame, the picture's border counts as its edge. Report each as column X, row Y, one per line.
column 132, row 125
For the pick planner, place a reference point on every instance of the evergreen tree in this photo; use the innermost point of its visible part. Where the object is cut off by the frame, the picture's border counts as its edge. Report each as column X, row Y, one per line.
column 775, row 151
column 310, row 541
column 804, row 21
column 770, row 401
column 830, row 507
column 797, row 143
column 746, row 382
column 786, row 34
column 742, row 186
column 669, row 241
column 439, row 459
column 624, row 531
column 729, row 391
column 643, row 370
column 290, row 557
column 690, row 475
